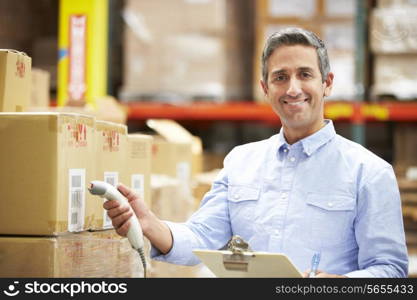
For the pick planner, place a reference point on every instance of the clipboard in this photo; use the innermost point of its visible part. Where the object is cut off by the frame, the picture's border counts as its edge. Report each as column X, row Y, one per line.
column 226, row 263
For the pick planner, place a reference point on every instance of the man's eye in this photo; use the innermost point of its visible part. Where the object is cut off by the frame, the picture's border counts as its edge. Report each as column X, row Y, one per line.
column 305, row 75
column 280, row 78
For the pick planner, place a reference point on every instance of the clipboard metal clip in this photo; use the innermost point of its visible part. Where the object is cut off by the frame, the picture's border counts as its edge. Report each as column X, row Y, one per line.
column 240, row 257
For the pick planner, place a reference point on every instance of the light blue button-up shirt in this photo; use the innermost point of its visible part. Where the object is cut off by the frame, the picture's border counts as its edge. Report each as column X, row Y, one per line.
column 322, row 194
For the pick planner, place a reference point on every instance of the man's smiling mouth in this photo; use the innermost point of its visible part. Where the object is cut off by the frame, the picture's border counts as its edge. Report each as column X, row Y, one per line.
column 296, row 102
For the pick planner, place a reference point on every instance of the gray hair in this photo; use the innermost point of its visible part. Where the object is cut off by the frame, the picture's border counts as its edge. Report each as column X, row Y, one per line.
column 295, row 36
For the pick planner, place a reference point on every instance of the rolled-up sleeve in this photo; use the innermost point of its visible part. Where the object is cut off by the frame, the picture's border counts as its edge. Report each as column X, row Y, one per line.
column 379, row 228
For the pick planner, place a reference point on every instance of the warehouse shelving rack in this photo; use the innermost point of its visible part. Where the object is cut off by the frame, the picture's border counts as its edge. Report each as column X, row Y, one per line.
column 354, row 112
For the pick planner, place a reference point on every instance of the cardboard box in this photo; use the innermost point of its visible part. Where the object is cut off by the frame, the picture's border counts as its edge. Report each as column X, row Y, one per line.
column 197, row 154
column 110, row 160
column 172, row 150
column 172, row 159
column 170, row 199
column 202, row 54
column 176, row 152
column 391, row 31
column 40, row 88
column 284, row 9
column 83, row 255
column 46, row 160
column 396, row 3
column 395, row 75
column 15, row 80
column 202, row 184
column 341, row 8
column 197, row 70
column 192, row 41
column 108, row 109
column 138, row 168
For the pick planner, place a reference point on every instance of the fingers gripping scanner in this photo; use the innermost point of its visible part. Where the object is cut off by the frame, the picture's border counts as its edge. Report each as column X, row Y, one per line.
column 134, row 235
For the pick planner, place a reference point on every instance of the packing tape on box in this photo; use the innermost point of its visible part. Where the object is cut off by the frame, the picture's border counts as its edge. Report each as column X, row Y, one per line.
column 85, row 119
column 58, row 227
column 104, row 126
column 52, row 120
column 58, row 120
column 15, row 51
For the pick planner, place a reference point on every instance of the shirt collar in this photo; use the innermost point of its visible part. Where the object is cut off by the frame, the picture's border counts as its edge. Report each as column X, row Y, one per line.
column 311, row 143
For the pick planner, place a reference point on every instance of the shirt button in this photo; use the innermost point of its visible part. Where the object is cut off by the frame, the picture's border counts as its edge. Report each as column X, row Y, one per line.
column 276, row 232
column 330, row 204
column 285, row 150
column 292, row 159
column 284, row 195
column 236, row 196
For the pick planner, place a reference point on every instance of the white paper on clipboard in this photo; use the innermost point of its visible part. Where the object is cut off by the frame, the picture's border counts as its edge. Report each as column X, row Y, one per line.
column 249, row 264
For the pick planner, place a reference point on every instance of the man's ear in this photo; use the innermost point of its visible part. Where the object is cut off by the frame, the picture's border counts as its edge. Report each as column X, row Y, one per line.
column 328, row 84
column 264, row 87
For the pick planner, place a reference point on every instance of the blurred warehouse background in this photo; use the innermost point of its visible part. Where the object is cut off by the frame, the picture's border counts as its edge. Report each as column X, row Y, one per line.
column 197, row 62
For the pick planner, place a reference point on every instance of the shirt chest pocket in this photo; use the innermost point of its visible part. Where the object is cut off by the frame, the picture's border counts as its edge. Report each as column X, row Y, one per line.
column 242, row 202
column 329, row 219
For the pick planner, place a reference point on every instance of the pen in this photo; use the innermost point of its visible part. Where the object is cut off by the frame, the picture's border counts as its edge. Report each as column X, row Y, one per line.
column 314, row 265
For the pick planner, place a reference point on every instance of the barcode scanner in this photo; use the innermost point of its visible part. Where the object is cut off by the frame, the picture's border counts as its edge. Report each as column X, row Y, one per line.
column 134, row 235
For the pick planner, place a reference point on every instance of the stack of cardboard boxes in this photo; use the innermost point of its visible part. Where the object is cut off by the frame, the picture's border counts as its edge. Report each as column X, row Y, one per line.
column 188, row 50
column 393, row 42
column 48, row 160
column 176, row 159
column 50, row 226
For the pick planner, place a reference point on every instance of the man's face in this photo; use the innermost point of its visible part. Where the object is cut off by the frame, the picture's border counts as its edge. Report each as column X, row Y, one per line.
column 295, row 88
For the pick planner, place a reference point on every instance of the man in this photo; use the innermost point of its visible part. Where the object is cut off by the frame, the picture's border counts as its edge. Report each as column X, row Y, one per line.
column 302, row 191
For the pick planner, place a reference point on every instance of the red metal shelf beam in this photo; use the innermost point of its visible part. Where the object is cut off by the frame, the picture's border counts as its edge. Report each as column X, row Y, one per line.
column 202, row 111
column 355, row 112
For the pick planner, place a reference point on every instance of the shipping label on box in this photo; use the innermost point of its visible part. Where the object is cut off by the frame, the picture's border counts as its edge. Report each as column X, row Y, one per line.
column 76, row 205
column 113, row 179
column 110, row 160
column 15, row 80
column 78, row 139
column 46, row 161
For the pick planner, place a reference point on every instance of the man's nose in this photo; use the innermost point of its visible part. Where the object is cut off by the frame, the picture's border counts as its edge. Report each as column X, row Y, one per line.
column 294, row 88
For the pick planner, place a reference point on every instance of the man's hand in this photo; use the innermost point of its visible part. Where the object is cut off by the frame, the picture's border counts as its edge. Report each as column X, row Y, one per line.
column 120, row 214
column 154, row 229
column 322, row 274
